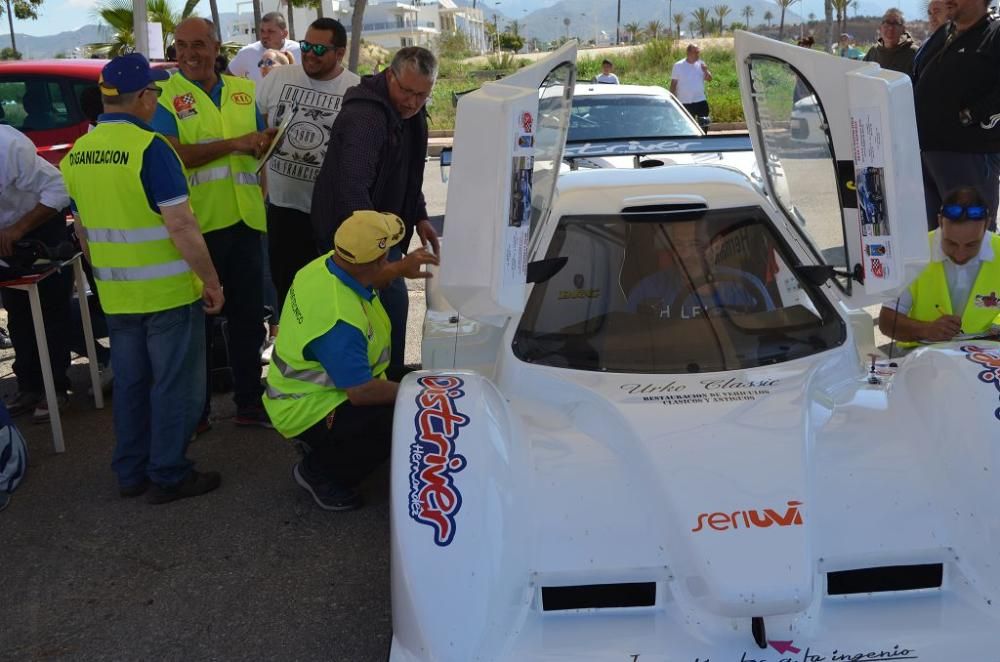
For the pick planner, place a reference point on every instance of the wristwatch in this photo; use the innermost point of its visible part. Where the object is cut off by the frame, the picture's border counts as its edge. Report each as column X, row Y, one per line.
column 964, row 117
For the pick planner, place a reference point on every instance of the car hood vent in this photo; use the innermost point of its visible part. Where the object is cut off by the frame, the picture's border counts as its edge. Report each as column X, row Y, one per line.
column 598, row 596
column 885, row 579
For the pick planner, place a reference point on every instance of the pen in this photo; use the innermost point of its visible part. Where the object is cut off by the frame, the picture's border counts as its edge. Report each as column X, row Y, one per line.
column 941, row 310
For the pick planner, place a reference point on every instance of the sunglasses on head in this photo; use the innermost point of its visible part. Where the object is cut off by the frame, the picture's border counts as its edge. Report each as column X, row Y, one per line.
column 319, row 49
column 957, row 212
column 265, row 63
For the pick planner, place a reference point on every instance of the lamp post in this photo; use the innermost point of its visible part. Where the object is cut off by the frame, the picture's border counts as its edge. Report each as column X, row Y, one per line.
column 566, row 22
column 618, row 25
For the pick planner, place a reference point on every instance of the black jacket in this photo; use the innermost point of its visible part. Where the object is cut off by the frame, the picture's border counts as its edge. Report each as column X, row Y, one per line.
column 374, row 160
column 899, row 58
column 952, row 76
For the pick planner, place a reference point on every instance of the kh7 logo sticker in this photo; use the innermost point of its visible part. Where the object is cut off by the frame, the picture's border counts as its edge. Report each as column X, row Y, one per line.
column 434, row 498
column 989, row 359
column 750, row 519
column 990, row 300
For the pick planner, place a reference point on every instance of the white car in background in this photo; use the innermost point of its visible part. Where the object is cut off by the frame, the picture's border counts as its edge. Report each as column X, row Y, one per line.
column 648, row 428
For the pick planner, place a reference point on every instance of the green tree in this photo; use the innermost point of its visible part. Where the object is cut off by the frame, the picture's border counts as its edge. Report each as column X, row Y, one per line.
column 653, row 29
column 768, row 17
column 841, row 8
column 117, row 14
column 453, row 45
column 514, row 27
column 632, row 30
column 8, row 53
column 721, row 11
column 702, row 18
column 678, row 22
column 783, row 5
column 22, row 9
column 747, row 15
column 511, row 42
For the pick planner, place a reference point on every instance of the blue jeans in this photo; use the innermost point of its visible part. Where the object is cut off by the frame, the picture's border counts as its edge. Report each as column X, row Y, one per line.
column 159, row 364
column 396, row 301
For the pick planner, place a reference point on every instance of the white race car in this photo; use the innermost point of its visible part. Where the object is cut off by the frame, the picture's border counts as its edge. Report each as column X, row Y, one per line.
column 648, row 428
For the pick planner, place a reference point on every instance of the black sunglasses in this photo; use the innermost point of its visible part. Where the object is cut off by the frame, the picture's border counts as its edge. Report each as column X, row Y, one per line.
column 319, row 49
column 957, row 212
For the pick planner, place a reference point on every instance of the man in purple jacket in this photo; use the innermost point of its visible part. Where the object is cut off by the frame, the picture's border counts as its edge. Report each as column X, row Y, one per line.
column 375, row 160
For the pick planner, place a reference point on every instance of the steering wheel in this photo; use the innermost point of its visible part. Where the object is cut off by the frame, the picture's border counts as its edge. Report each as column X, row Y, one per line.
column 748, row 282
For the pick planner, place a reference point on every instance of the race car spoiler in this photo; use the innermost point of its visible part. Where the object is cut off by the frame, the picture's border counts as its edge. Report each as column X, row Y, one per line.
column 639, row 147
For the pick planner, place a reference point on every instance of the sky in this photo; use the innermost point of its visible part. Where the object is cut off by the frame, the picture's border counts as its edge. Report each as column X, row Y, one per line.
column 64, row 15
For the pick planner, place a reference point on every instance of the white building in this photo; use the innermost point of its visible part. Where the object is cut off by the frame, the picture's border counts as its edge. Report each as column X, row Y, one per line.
column 391, row 25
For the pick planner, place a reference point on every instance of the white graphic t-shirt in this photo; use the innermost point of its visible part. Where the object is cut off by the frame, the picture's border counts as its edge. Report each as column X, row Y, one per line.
column 292, row 169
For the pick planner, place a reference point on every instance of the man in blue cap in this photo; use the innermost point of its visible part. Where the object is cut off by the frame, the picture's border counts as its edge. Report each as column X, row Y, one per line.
column 155, row 280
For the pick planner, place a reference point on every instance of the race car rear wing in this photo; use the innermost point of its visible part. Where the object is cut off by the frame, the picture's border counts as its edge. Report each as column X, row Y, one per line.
column 643, row 147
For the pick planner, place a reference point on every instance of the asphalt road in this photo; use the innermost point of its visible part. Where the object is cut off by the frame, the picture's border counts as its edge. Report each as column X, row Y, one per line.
column 254, row 571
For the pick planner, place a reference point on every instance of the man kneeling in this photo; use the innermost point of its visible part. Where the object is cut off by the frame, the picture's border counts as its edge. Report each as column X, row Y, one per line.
column 957, row 292
column 326, row 384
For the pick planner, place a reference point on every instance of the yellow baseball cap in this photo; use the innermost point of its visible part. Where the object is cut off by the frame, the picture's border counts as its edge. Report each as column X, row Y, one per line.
column 367, row 235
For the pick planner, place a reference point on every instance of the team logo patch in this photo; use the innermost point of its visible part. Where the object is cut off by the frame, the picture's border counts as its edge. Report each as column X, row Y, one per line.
column 988, row 359
column 242, row 98
column 434, row 498
column 184, row 106
column 990, row 300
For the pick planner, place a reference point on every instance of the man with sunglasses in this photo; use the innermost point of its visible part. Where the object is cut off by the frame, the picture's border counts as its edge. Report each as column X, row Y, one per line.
column 375, row 161
column 212, row 121
column 958, row 291
column 312, row 94
column 956, row 95
column 895, row 48
column 273, row 36
column 156, row 281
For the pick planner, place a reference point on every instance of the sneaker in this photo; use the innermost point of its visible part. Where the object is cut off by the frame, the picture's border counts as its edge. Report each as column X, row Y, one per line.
column 23, row 402
column 41, row 413
column 255, row 416
column 195, row 484
column 327, row 495
column 267, row 350
column 204, row 425
column 132, row 491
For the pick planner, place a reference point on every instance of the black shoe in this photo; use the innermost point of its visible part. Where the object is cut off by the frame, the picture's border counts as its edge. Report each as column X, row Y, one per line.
column 195, row 484
column 132, row 491
column 255, row 416
column 23, row 402
column 327, row 495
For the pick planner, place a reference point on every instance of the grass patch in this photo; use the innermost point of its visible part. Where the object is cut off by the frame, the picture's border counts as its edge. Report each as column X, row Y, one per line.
column 649, row 65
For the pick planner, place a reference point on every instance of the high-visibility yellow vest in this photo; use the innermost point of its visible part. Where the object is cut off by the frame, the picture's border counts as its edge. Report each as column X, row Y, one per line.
column 931, row 299
column 226, row 190
column 299, row 392
column 136, row 265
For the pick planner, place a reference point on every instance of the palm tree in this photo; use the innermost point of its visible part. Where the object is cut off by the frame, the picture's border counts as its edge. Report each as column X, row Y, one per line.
column 768, row 16
column 702, row 18
column 357, row 23
column 828, row 17
column 632, row 30
column 678, row 22
column 783, row 5
column 721, row 11
column 653, row 29
column 747, row 15
column 841, row 7
column 118, row 15
column 514, row 27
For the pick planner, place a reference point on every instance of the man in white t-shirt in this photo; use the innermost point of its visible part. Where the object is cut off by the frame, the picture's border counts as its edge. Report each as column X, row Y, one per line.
column 687, row 82
column 273, row 36
column 312, row 93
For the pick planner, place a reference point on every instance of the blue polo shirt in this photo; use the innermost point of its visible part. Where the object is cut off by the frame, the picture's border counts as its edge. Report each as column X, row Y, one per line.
column 343, row 350
column 164, row 122
column 162, row 174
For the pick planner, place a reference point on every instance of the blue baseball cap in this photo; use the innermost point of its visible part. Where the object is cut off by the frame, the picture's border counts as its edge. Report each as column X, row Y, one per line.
column 128, row 73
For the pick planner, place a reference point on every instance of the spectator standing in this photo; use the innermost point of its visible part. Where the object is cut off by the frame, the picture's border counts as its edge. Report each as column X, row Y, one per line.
column 327, row 383
column 957, row 101
column 313, row 95
column 895, row 48
column 607, row 75
column 33, row 200
column 375, row 160
column 273, row 36
column 846, row 48
column 130, row 201
column 687, row 82
column 937, row 15
column 956, row 292
column 271, row 59
column 213, row 123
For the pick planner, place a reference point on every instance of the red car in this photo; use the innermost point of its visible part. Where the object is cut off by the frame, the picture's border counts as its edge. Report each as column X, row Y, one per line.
column 42, row 99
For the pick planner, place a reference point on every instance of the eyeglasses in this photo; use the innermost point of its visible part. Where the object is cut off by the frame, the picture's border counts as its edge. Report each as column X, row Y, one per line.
column 893, row 24
column 958, row 212
column 419, row 96
column 319, row 49
column 157, row 90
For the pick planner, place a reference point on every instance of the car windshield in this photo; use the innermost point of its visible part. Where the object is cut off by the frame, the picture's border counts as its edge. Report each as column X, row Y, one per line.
column 627, row 117
column 699, row 291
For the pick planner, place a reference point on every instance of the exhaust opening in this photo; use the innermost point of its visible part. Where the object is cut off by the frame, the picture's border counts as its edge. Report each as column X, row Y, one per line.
column 885, row 579
column 598, row 596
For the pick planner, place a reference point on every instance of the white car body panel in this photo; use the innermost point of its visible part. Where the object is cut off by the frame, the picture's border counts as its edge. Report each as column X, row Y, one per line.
column 730, row 497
